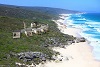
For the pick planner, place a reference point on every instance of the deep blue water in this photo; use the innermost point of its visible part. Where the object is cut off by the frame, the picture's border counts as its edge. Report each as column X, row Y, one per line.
column 90, row 23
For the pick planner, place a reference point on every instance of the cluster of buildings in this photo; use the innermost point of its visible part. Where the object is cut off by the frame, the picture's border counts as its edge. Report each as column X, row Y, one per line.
column 33, row 29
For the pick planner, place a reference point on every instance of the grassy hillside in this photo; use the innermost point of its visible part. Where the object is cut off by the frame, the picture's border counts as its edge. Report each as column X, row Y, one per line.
column 11, row 18
column 49, row 10
column 31, row 12
column 22, row 13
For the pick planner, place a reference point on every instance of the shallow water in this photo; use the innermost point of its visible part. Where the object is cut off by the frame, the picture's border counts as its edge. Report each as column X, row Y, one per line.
column 90, row 24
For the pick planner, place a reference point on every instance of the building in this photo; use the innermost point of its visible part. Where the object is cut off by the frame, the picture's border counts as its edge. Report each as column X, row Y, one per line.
column 33, row 25
column 35, row 28
column 16, row 34
column 28, row 32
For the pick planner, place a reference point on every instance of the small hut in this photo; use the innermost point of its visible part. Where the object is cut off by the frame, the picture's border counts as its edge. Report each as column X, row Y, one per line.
column 36, row 31
column 28, row 32
column 33, row 25
column 45, row 27
column 16, row 34
column 42, row 30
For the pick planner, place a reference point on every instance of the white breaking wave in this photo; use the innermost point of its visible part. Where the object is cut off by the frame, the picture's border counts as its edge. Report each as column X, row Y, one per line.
column 91, row 31
column 98, row 29
column 82, row 19
column 92, row 22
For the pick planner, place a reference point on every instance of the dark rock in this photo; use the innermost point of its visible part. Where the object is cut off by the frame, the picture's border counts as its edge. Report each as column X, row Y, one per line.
column 62, row 46
column 28, row 56
column 69, row 42
column 73, row 41
column 43, row 59
column 82, row 39
column 60, row 59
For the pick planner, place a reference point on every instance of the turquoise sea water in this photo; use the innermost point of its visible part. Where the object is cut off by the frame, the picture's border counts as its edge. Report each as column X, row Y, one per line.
column 90, row 24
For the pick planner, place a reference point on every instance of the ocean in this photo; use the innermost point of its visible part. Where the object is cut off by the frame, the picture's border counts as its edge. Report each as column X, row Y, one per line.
column 90, row 24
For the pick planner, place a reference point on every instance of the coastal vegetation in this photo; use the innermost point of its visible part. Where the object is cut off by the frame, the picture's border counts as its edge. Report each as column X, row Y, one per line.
column 12, row 17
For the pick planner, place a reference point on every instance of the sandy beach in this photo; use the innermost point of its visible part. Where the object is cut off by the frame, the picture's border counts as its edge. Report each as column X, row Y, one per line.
column 74, row 55
column 81, row 57
column 79, row 54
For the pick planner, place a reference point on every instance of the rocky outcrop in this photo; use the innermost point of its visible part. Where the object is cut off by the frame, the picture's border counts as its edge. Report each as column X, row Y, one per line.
column 81, row 39
column 29, row 56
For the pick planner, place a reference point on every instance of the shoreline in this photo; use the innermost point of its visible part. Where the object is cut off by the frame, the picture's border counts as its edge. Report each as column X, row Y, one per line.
column 76, row 32
column 80, row 52
column 74, row 55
